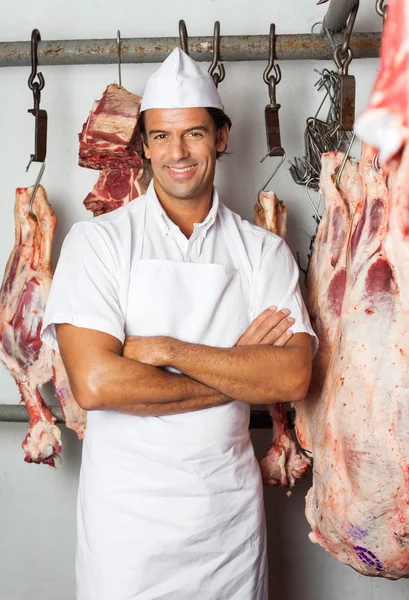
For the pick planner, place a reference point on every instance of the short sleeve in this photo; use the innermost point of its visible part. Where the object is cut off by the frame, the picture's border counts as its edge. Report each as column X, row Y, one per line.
column 277, row 284
column 85, row 287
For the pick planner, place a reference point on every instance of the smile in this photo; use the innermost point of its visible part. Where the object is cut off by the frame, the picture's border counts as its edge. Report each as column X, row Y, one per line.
column 180, row 170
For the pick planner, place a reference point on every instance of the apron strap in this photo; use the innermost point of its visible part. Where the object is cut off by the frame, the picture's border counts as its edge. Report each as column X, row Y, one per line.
column 140, row 231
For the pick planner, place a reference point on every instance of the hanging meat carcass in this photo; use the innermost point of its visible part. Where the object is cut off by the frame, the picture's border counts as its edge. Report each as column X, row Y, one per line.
column 327, row 276
column 23, row 296
column 110, row 141
column 283, row 464
column 358, row 507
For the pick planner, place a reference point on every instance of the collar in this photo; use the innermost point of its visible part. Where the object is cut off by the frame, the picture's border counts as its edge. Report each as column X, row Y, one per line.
column 166, row 223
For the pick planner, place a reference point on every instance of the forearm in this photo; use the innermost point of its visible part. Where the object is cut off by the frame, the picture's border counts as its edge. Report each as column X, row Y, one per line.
column 125, row 385
column 254, row 374
column 181, row 406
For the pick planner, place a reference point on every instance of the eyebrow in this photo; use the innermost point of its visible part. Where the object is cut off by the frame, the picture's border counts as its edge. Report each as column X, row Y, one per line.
column 197, row 128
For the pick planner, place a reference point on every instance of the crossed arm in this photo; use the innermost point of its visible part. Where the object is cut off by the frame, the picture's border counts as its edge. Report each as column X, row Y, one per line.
column 267, row 365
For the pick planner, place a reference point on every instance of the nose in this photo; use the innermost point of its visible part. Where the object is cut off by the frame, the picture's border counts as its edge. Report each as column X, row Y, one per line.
column 178, row 149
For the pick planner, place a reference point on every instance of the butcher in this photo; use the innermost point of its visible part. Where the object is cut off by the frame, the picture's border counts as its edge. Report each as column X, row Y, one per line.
column 172, row 317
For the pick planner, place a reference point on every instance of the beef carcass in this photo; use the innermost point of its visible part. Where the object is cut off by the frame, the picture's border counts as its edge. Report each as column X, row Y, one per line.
column 110, row 141
column 116, row 187
column 327, row 276
column 23, row 296
column 358, row 507
column 110, row 138
column 283, row 464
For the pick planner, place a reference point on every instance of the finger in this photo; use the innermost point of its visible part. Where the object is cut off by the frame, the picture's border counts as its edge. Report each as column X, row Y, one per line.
column 269, row 325
column 247, row 335
column 284, row 339
column 273, row 335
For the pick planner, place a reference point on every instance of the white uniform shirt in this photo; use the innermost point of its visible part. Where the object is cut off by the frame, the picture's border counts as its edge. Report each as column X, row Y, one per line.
column 91, row 281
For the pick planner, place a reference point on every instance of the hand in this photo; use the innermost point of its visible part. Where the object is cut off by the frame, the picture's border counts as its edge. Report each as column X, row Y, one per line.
column 150, row 350
column 269, row 328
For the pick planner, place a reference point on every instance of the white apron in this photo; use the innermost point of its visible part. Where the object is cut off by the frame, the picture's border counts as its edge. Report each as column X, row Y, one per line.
column 171, row 507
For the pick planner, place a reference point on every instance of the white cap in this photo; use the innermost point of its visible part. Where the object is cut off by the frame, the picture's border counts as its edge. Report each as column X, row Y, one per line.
column 180, row 83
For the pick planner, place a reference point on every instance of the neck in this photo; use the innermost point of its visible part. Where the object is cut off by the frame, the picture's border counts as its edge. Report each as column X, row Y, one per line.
column 185, row 212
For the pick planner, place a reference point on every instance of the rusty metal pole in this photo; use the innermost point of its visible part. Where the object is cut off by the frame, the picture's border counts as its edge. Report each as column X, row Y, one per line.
column 155, row 50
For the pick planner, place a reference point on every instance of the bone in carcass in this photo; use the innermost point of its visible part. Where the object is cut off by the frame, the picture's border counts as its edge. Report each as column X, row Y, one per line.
column 326, row 278
column 283, row 464
column 110, row 137
column 116, row 187
column 358, row 507
column 23, row 296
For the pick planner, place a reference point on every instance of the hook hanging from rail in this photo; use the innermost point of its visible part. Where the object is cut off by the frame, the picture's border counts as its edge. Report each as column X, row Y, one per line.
column 272, row 77
column 217, row 77
column 40, row 148
column 183, row 36
column 342, row 57
column 118, row 42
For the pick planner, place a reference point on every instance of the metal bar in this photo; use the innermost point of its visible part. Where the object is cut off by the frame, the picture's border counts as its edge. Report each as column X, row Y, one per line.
column 153, row 50
column 17, row 413
column 337, row 14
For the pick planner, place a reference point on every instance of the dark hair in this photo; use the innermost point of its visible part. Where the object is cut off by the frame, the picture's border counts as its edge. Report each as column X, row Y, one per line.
column 219, row 118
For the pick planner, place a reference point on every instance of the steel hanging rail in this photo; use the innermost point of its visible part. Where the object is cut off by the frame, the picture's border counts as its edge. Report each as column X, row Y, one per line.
column 153, row 50
column 17, row 413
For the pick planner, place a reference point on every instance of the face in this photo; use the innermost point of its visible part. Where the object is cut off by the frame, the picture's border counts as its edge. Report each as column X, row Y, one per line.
column 182, row 144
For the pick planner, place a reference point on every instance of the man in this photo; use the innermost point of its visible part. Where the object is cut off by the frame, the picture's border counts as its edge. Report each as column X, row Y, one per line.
column 161, row 312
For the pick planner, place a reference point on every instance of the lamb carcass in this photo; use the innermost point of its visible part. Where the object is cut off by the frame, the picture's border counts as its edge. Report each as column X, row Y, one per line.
column 358, row 507
column 23, row 296
column 327, row 276
column 283, row 464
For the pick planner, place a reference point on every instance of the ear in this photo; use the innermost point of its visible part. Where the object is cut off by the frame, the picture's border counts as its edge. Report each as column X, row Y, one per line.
column 146, row 151
column 222, row 137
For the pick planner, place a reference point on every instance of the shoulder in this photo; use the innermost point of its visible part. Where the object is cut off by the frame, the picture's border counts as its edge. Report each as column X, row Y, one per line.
column 114, row 227
column 257, row 240
column 109, row 235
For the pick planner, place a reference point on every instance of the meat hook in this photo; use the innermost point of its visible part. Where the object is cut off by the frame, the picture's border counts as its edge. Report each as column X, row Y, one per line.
column 183, row 36
column 344, row 162
column 34, row 191
column 270, row 178
column 272, row 76
column 118, row 42
column 344, row 50
column 40, row 137
column 217, row 77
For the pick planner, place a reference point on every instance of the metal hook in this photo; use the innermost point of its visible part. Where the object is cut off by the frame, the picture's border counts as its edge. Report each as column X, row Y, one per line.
column 35, row 86
column 34, row 191
column 267, row 77
column 183, row 36
column 217, row 77
column 344, row 162
column 375, row 163
column 118, row 42
column 269, row 179
column 40, row 139
column 349, row 27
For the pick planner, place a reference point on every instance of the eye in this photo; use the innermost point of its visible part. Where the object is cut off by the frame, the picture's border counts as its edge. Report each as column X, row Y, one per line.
column 160, row 136
column 196, row 134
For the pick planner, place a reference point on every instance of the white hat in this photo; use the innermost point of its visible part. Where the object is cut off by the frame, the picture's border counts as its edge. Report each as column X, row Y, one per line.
column 180, row 83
